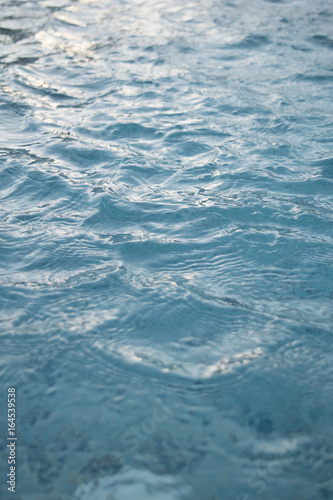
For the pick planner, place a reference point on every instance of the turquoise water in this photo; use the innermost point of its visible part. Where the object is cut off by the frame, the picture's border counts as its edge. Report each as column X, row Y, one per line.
column 166, row 248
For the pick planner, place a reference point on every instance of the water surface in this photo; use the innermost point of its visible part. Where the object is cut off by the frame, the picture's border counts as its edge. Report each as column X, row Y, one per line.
column 166, row 248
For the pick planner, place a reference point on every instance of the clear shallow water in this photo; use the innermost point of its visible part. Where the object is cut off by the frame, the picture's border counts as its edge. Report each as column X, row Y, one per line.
column 166, row 249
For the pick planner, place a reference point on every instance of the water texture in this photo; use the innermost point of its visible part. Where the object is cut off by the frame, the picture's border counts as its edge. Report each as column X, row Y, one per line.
column 166, row 248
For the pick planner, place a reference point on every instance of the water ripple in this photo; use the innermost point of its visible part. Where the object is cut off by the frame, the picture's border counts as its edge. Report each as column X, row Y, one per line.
column 166, row 236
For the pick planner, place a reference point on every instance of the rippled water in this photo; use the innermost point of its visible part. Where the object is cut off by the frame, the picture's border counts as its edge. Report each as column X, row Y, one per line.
column 166, row 249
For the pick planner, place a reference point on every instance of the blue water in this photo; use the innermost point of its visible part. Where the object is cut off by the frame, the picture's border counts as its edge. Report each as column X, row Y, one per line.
column 166, row 248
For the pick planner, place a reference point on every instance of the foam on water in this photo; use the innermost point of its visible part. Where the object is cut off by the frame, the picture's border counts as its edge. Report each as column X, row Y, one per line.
column 130, row 483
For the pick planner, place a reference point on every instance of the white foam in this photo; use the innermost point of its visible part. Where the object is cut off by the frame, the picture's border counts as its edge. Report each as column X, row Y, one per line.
column 135, row 484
